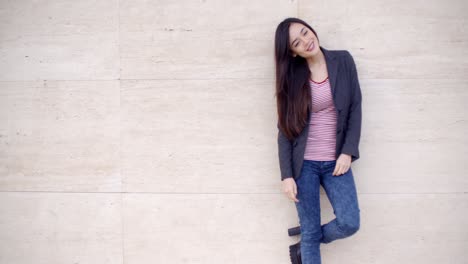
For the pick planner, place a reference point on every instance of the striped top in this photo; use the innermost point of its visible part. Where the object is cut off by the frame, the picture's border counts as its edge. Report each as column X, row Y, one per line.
column 321, row 141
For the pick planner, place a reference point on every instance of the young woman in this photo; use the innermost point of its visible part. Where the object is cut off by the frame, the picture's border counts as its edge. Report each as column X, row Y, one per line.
column 319, row 126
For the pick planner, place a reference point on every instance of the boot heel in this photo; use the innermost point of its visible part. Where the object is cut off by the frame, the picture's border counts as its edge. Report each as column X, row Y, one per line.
column 294, row 231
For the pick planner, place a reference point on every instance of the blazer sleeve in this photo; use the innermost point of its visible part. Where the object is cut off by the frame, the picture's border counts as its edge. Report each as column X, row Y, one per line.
column 284, row 155
column 353, row 132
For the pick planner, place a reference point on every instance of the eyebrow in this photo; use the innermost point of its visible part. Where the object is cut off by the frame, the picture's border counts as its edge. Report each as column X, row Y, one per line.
column 296, row 38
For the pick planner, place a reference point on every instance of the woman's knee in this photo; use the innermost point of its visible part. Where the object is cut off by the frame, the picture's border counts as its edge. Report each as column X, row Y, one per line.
column 350, row 225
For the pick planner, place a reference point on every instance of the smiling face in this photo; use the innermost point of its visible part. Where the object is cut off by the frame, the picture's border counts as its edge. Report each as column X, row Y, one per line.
column 302, row 41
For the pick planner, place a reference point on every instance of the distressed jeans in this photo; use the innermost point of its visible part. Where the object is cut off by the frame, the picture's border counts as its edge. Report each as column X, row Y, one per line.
column 341, row 192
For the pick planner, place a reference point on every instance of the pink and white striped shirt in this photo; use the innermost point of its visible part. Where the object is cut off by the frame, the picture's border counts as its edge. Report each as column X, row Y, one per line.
column 321, row 140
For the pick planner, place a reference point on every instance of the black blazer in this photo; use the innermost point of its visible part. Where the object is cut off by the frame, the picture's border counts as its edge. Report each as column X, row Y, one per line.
column 346, row 94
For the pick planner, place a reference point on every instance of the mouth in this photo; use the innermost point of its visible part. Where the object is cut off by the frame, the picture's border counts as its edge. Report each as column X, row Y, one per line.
column 311, row 46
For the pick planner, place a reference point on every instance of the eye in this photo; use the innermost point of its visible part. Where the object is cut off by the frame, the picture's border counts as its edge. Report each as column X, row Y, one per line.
column 297, row 43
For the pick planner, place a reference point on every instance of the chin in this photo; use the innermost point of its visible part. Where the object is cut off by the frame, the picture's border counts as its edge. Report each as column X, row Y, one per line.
column 309, row 54
column 313, row 52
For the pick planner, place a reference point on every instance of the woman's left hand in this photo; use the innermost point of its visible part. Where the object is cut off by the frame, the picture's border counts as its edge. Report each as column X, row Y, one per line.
column 343, row 163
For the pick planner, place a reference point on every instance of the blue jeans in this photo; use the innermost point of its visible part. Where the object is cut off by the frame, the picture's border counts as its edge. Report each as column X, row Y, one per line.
column 341, row 192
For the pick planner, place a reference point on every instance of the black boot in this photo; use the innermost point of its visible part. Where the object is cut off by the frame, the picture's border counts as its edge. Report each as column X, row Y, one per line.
column 295, row 253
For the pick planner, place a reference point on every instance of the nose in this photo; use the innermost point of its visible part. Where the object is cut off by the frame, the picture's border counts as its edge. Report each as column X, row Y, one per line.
column 305, row 41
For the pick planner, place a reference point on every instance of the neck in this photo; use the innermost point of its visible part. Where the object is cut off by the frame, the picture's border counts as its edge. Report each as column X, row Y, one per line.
column 316, row 60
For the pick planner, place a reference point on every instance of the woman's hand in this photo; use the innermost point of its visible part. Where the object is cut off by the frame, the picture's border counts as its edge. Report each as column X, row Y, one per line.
column 290, row 189
column 343, row 163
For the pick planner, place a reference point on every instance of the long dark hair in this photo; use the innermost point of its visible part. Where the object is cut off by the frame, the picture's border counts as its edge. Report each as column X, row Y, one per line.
column 292, row 86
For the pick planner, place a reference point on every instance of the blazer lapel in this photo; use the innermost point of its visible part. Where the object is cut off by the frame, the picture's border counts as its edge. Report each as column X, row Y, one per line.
column 332, row 67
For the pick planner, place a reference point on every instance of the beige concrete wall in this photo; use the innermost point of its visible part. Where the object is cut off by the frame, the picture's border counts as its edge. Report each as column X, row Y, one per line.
column 145, row 131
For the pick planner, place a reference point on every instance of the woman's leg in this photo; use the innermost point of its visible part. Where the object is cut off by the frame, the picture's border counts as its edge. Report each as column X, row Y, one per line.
column 308, row 208
column 341, row 192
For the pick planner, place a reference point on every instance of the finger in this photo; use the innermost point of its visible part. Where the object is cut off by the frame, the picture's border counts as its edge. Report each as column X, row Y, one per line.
column 347, row 169
column 343, row 169
column 340, row 169
column 348, row 166
column 335, row 170
column 292, row 196
column 295, row 194
column 295, row 199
